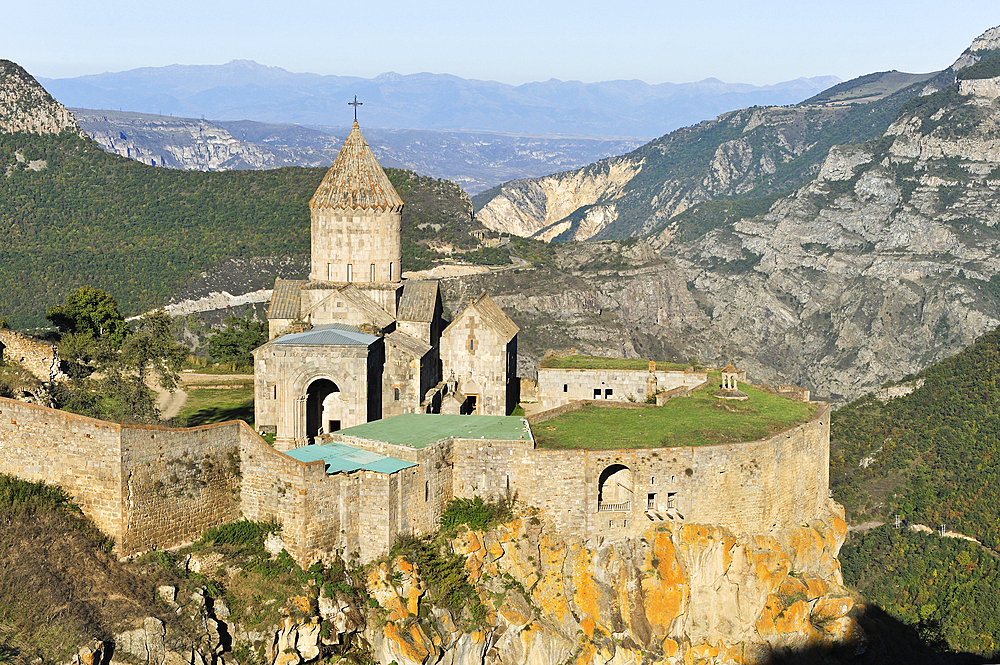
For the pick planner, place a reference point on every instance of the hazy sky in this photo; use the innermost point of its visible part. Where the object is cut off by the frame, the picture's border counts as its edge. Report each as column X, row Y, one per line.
column 514, row 42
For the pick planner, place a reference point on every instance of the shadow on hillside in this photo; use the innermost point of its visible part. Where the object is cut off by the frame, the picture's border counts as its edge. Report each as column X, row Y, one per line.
column 887, row 641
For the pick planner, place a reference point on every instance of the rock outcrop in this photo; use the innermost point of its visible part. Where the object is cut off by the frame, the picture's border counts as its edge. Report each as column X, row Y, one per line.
column 678, row 594
column 26, row 107
column 758, row 149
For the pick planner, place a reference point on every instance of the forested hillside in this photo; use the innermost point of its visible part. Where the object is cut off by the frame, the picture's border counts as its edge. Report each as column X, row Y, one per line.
column 140, row 232
column 932, row 456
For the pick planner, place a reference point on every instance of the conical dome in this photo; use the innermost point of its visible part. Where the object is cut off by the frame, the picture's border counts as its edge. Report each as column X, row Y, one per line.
column 356, row 180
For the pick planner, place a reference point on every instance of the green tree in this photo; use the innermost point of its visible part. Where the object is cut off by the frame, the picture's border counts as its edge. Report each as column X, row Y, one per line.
column 90, row 311
column 236, row 342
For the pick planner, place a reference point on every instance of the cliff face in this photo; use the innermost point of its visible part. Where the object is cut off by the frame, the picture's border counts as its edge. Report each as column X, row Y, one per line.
column 758, row 149
column 26, row 107
column 678, row 594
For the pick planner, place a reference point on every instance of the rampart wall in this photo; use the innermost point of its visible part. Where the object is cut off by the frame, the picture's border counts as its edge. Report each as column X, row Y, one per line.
column 82, row 455
column 749, row 487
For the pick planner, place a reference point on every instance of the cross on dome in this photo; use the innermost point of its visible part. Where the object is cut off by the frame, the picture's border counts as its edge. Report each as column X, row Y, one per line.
column 355, row 104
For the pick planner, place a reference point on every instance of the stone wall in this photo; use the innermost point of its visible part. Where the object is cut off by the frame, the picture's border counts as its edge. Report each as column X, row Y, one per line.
column 39, row 358
column 82, row 455
column 178, row 483
column 747, row 487
column 561, row 386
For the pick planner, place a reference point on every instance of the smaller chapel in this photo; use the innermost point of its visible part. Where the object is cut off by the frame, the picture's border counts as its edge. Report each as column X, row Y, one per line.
column 356, row 342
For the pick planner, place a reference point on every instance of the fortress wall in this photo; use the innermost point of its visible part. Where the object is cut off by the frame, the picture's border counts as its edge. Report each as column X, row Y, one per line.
column 378, row 502
column 178, row 483
column 561, row 386
column 748, row 487
column 82, row 455
column 274, row 486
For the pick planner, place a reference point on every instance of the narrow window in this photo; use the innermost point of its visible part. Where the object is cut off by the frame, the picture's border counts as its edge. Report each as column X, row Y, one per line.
column 329, row 272
column 611, row 523
column 350, row 273
column 652, row 480
column 427, row 491
column 373, row 273
column 274, row 388
column 597, row 393
column 472, row 345
column 673, row 479
column 608, row 392
column 671, row 500
column 390, row 272
column 624, row 522
column 395, row 394
column 651, row 501
column 565, row 387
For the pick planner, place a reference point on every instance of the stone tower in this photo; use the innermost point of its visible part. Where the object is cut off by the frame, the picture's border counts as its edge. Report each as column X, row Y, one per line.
column 355, row 216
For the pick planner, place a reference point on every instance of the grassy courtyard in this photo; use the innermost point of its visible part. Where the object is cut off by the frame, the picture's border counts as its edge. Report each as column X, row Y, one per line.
column 599, row 362
column 698, row 420
column 205, row 406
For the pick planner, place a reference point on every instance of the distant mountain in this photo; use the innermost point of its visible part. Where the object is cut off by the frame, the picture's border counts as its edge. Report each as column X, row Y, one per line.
column 246, row 90
column 755, row 151
column 475, row 160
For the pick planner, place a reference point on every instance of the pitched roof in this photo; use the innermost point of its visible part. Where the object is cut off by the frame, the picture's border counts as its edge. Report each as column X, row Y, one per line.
column 372, row 310
column 333, row 334
column 729, row 368
column 415, row 347
column 340, row 458
column 356, row 180
column 286, row 299
column 491, row 315
column 418, row 301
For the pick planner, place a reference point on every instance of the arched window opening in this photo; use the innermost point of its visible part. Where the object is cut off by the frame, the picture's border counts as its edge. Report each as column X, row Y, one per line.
column 615, row 489
column 395, row 394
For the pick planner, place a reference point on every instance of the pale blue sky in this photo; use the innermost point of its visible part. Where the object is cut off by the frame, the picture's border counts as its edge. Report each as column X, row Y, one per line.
column 514, row 42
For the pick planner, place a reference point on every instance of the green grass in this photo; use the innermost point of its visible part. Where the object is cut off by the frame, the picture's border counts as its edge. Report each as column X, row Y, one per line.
column 698, row 420
column 598, row 362
column 205, row 406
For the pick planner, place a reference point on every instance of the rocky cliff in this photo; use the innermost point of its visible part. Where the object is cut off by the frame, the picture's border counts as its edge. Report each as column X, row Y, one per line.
column 882, row 264
column 26, row 107
column 759, row 150
column 679, row 594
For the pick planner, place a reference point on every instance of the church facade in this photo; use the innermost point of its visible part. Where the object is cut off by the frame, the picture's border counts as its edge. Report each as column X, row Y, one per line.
column 355, row 342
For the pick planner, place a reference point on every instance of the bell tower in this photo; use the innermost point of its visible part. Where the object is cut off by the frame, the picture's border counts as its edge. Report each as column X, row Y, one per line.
column 355, row 215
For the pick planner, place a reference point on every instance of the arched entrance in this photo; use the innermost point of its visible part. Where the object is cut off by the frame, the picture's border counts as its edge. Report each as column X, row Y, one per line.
column 322, row 400
column 614, row 492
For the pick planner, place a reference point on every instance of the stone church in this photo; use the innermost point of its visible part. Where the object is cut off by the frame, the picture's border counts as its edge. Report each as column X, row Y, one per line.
column 356, row 342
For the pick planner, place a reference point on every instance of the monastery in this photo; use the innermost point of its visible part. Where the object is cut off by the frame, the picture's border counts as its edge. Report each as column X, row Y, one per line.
column 355, row 343
column 383, row 412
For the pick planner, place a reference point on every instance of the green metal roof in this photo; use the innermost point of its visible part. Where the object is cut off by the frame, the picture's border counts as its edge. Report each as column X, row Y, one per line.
column 419, row 430
column 340, row 458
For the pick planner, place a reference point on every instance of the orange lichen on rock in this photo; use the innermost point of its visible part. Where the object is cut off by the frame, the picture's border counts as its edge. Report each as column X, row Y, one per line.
column 548, row 593
column 670, row 647
column 827, row 609
column 664, row 593
column 795, row 618
column 413, row 644
column 586, row 597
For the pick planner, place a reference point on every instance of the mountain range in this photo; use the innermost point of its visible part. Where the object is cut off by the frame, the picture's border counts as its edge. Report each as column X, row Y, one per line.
column 246, row 90
column 475, row 160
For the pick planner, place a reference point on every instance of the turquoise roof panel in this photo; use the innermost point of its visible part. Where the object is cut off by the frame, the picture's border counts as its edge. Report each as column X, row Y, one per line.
column 341, row 458
column 419, row 430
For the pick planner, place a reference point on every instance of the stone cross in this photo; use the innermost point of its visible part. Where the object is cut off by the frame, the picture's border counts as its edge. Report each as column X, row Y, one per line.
column 355, row 104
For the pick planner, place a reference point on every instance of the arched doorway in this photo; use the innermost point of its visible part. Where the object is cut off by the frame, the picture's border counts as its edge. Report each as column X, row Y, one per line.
column 614, row 492
column 322, row 397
